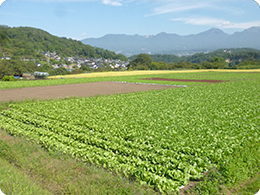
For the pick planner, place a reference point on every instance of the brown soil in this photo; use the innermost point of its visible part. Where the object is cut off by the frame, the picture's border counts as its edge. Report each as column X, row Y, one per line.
column 79, row 90
column 185, row 80
column 188, row 187
column 193, row 184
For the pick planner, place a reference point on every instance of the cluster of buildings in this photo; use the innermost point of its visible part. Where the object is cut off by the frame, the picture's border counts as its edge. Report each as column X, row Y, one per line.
column 93, row 63
column 70, row 63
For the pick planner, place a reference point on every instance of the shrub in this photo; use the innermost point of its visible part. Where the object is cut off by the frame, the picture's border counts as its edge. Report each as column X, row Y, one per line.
column 8, row 78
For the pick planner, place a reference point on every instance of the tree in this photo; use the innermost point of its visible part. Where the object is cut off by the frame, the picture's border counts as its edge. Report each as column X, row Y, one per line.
column 85, row 68
column 218, row 63
column 159, row 66
column 16, row 67
column 3, row 37
column 47, row 68
column 195, row 66
column 142, row 60
column 206, row 65
column 248, row 65
column 61, row 71
column 76, row 71
column 8, row 78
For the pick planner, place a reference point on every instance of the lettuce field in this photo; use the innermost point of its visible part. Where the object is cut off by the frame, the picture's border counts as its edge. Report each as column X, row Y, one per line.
column 161, row 138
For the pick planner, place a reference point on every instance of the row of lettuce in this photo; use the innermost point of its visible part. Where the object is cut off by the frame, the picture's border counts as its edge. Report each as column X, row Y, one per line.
column 161, row 138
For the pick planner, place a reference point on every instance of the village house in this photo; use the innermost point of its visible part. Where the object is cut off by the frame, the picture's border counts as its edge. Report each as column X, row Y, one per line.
column 6, row 58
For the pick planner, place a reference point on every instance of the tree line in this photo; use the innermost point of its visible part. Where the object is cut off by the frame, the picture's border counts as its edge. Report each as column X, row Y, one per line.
column 16, row 67
column 233, row 54
column 246, row 60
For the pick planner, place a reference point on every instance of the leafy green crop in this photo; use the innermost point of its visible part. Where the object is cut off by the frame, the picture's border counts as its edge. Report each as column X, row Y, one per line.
column 162, row 138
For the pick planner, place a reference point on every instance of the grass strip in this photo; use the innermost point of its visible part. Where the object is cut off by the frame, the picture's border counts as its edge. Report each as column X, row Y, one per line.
column 26, row 168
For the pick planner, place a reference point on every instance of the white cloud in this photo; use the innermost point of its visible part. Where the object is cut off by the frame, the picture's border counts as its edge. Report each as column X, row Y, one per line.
column 258, row 1
column 172, row 7
column 243, row 25
column 226, row 23
column 217, row 22
column 1, row 2
column 106, row 2
column 177, row 6
column 202, row 21
column 110, row 2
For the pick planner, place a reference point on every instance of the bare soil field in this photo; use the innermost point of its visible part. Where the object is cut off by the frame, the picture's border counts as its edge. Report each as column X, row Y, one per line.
column 79, row 90
column 185, row 80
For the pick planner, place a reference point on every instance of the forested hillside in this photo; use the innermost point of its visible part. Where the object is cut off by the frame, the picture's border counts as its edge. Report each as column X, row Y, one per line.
column 26, row 50
column 235, row 55
column 240, row 58
column 232, row 58
column 30, row 42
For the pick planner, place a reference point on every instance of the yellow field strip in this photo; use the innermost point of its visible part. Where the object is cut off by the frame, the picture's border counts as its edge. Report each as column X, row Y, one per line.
column 142, row 72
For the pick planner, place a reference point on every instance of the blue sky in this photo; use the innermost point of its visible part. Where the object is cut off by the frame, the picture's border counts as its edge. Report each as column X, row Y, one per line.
column 79, row 19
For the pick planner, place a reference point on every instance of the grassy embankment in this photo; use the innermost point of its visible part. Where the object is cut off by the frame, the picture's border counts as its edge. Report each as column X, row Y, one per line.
column 55, row 173
column 26, row 168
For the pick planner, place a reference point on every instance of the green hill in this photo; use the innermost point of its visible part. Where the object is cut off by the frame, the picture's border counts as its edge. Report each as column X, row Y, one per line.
column 234, row 55
column 30, row 42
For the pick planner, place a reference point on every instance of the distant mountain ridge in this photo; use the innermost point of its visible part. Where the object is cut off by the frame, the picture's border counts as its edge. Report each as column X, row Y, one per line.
column 165, row 43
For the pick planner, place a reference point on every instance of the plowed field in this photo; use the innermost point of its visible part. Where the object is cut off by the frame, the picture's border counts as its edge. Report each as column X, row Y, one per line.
column 80, row 90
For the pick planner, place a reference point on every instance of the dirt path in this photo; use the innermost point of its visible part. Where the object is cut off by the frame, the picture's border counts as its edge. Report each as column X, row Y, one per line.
column 80, row 90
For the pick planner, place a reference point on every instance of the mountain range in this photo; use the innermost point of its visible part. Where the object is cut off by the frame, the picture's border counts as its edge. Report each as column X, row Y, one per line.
column 165, row 43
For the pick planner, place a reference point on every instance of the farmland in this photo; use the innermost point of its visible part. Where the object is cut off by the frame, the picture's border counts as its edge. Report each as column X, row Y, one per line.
column 131, row 76
column 162, row 138
column 78, row 90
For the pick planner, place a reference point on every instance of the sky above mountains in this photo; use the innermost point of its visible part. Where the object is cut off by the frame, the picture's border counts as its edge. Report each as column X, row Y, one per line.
column 79, row 19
